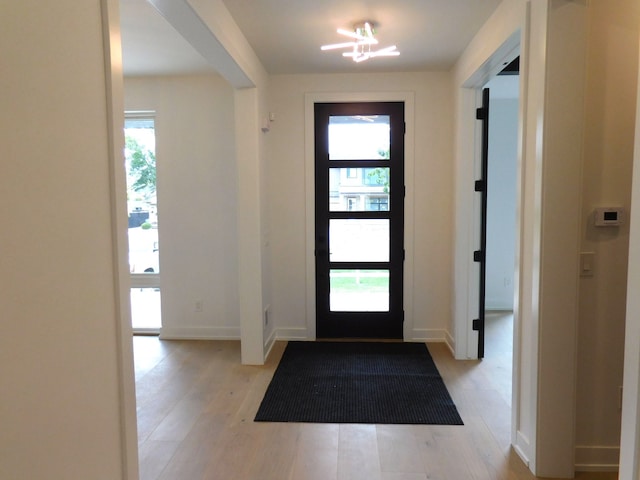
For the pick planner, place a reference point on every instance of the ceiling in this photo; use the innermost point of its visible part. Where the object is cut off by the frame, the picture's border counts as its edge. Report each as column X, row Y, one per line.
column 287, row 34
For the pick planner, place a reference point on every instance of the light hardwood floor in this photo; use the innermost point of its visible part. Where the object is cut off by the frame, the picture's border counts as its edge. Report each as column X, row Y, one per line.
column 196, row 404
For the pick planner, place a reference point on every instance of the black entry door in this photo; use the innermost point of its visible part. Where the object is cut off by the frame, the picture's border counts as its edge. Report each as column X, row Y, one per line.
column 359, row 219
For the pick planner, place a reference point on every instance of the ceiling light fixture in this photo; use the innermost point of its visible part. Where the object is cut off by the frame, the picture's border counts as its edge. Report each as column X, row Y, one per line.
column 363, row 37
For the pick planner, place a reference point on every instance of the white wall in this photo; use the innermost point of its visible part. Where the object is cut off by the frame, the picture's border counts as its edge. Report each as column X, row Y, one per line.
column 62, row 398
column 225, row 46
column 630, row 435
column 560, row 201
column 432, row 182
column 197, row 201
column 501, row 199
column 612, row 69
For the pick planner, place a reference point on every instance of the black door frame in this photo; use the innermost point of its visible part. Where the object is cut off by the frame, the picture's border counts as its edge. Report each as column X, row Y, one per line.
column 359, row 324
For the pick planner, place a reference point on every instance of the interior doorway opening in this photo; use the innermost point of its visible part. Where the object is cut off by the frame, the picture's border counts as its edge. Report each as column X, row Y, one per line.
column 504, row 100
column 503, row 329
column 501, row 228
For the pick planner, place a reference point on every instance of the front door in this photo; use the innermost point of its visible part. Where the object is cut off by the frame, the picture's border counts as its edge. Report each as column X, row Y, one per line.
column 359, row 224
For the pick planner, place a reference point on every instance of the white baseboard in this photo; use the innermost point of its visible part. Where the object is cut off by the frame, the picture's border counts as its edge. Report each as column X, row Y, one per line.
column 200, row 333
column 597, row 458
column 417, row 335
column 451, row 343
column 498, row 306
column 428, row 335
column 268, row 344
column 521, row 454
column 293, row 333
column 522, row 446
column 146, row 331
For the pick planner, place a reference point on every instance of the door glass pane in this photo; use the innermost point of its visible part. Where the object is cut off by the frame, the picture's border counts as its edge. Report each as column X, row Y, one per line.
column 359, row 137
column 359, row 290
column 359, row 189
column 358, row 240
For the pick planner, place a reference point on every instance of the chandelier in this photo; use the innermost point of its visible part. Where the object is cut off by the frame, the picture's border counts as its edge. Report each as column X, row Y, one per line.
column 363, row 37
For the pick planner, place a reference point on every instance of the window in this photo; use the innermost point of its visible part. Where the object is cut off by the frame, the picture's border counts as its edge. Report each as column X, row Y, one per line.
column 144, row 255
column 380, row 203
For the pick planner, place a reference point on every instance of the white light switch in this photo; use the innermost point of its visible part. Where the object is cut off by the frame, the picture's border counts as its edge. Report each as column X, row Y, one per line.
column 586, row 264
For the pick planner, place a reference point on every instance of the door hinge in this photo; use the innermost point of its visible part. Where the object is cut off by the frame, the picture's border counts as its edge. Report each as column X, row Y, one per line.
column 404, row 255
column 478, row 256
column 479, row 186
column 481, row 113
column 404, row 127
column 475, row 325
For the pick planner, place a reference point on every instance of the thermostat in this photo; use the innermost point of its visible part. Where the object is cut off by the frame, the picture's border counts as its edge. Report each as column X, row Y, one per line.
column 608, row 216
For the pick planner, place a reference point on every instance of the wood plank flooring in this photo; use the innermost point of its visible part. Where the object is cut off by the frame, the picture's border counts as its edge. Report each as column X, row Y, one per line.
column 196, row 404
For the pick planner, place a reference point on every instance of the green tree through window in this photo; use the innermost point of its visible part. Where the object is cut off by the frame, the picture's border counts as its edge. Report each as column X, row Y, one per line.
column 379, row 176
column 142, row 166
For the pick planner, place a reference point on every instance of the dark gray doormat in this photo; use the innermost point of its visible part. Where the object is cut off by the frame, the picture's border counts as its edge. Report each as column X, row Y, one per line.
column 357, row 382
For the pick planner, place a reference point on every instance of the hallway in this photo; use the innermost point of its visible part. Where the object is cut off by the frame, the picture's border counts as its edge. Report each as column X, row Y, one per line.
column 196, row 404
